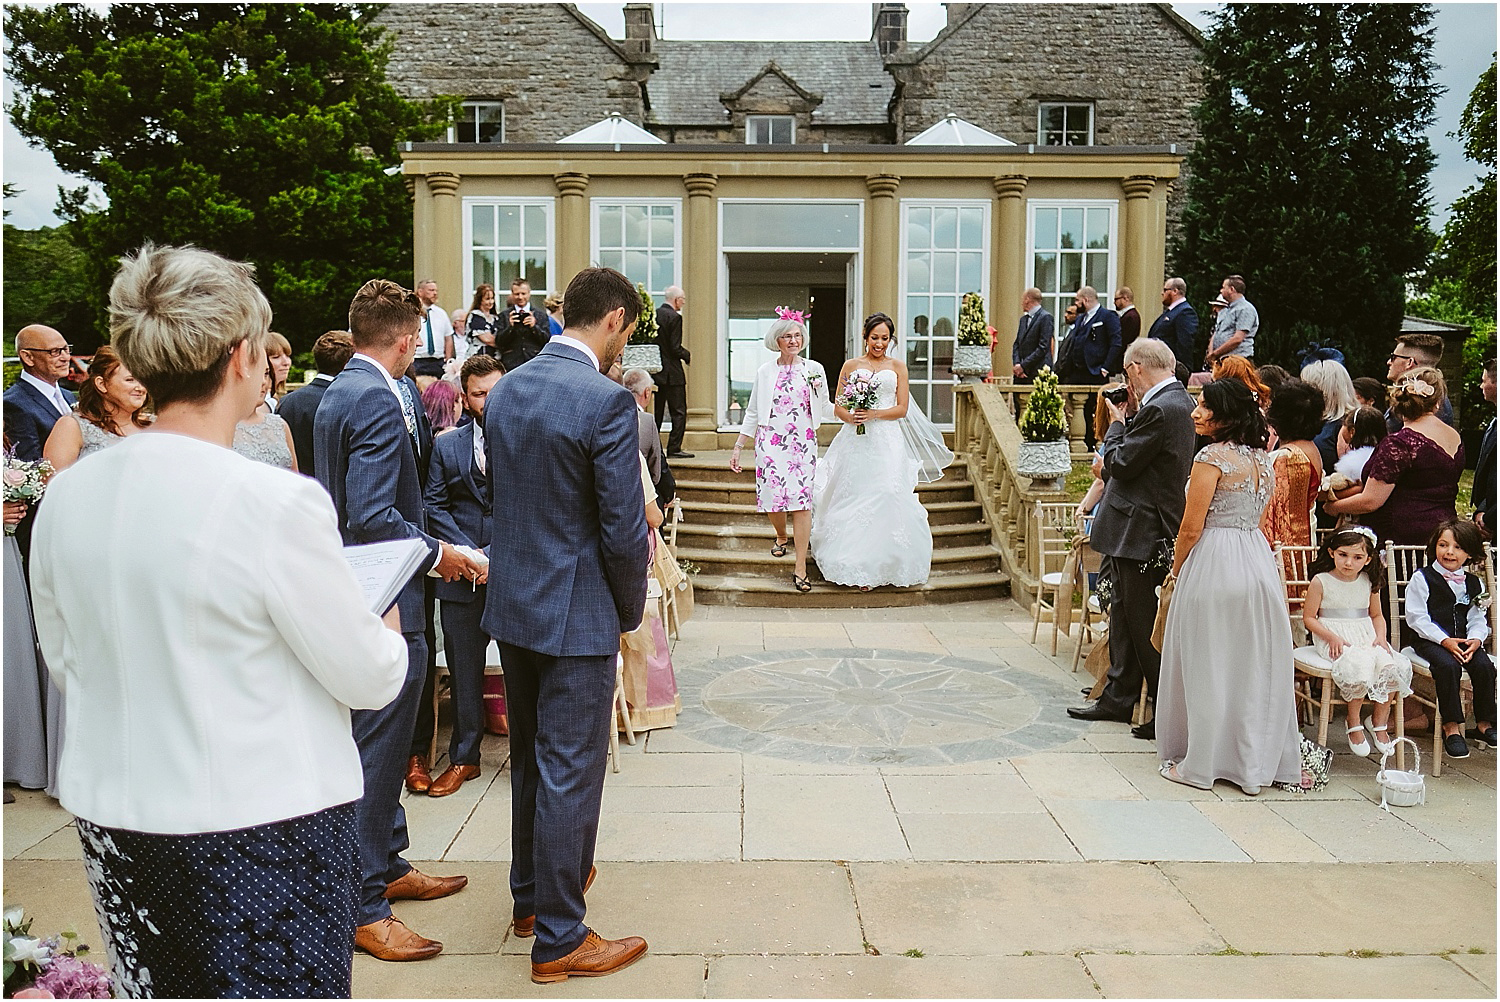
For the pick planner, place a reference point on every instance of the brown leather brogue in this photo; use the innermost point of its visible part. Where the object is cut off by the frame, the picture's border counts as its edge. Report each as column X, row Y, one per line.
column 594, row 958
column 452, row 778
column 527, row 926
column 418, row 775
column 390, row 939
column 414, row 885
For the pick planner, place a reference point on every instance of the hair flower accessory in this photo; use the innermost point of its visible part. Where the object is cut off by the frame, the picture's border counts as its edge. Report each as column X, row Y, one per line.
column 1419, row 387
column 1365, row 531
column 795, row 316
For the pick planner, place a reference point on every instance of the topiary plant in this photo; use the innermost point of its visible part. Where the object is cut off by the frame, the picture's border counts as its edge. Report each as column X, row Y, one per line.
column 645, row 325
column 1043, row 418
column 972, row 329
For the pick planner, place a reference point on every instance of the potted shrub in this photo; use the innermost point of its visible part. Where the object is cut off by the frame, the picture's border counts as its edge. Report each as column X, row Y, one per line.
column 971, row 357
column 1044, row 455
column 642, row 351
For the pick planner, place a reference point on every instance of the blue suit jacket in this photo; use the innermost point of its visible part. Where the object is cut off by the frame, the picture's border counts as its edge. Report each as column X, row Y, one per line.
column 1093, row 348
column 29, row 418
column 457, row 499
column 568, row 529
column 1033, row 347
column 366, row 462
column 1178, row 329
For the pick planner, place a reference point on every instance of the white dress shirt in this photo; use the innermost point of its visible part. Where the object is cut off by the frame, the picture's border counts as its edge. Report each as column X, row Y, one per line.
column 1417, row 617
column 51, row 391
column 209, row 653
column 573, row 342
column 442, row 328
column 1157, row 389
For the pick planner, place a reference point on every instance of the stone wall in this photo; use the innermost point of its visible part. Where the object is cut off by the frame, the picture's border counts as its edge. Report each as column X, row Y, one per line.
column 733, row 131
column 554, row 74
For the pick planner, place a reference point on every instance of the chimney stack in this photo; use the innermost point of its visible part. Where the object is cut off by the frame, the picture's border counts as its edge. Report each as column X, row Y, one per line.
column 640, row 29
column 956, row 11
column 888, row 28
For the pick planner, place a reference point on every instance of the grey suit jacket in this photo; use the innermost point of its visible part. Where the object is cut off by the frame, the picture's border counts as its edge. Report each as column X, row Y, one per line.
column 568, row 529
column 1146, row 467
column 650, row 444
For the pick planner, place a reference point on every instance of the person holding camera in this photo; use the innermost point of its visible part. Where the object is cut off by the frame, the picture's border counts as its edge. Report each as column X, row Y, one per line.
column 523, row 331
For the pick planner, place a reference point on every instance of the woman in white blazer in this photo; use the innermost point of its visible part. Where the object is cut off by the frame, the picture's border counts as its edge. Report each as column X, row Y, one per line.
column 207, row 678
column 787, row 403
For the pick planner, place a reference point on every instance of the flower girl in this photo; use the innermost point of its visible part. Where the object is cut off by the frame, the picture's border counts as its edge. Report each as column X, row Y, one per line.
column 1342, row 612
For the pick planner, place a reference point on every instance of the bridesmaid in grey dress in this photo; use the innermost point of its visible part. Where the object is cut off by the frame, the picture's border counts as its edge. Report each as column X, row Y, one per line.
column 112, row 405
column 1224, row 707
column 25, row 677
column 265, row 437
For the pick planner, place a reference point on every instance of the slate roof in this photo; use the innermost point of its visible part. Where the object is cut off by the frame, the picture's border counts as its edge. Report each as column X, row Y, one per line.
column 849, row 76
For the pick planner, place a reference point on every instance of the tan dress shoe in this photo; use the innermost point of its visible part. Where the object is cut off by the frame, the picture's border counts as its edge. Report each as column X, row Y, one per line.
column 418, row 775
column 390, row 939
column 527, row 926
column 414, row 885
column 452, row 778
column 594, row 958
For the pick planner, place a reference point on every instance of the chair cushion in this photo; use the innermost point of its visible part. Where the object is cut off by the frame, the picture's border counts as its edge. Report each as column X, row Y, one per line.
column 1052, row 579
column 1308, row 659
column 1094, row 604
column 1417, row 660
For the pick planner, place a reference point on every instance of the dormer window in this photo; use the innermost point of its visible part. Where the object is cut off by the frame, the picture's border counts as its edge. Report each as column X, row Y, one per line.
column 779, row 129
column 1065, row 124
column 478, row 122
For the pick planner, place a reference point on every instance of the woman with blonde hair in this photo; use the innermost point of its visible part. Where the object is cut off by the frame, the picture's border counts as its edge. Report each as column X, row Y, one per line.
column 1330, row 376
column 279, row 357
column 112, row 405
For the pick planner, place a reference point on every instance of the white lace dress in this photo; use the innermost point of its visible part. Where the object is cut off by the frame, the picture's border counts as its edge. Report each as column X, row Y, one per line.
column 1363, row 671
column 1224, row 705
column 868, row 528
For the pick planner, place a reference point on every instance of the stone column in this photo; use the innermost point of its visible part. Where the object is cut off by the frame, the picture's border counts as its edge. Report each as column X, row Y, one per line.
column 445, row 253
column 883, row 269
column 572, row 229
column 1009, row 277
column 700, row 321
column 1137, row 261
column 421, row 225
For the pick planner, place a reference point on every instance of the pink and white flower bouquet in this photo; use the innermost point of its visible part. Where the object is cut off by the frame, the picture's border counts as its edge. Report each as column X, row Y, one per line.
column 860, row 394
column 25, row 481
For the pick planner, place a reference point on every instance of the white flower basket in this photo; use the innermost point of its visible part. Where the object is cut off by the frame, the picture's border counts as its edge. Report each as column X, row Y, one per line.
column 642, row 356
column 971, row 359
column 1399, row 787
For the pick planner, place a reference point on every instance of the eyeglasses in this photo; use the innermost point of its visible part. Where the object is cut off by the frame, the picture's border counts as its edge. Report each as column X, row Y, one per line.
column 1393, row 356
column 66, row 349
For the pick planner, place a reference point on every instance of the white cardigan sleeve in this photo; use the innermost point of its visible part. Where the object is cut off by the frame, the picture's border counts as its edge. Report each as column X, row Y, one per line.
column 757, row 401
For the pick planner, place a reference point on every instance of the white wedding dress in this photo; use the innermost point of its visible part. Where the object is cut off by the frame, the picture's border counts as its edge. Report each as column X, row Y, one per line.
column 868, row 528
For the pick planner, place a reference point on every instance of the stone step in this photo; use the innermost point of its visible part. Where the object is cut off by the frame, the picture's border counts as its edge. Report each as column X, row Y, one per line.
column 777, row 592
column 713, row 467
column 758, row 562
column 759, row 535
column 743, row 493
column 722, row 513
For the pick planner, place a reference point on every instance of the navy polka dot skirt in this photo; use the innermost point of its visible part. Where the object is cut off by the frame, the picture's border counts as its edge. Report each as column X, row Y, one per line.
column 263, row 912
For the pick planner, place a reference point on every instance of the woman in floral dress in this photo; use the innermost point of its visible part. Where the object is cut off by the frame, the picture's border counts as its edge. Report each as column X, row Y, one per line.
column 787, row 403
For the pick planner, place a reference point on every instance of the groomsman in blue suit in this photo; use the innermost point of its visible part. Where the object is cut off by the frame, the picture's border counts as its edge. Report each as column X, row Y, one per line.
column 570, row 548
column 1177, row 325
column 371, row 434
column 457, row 499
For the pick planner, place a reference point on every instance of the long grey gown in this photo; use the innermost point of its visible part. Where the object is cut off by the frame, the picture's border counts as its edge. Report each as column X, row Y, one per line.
column 26, row 683
column 1224, row 706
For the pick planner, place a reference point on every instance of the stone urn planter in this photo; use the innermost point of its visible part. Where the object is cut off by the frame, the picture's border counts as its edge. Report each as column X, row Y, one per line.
column 971, row 360
column 642, row 356
column 1046, row 463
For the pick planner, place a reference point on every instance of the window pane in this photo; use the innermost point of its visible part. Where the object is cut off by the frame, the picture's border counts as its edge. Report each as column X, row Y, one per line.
column 944, row 271
column 666, row 211
column 1071, row 234
column 484, row 267
column 635, row 226
column 944, row 226
column 663, row 226
column 781, row 130
column 510, row 225
column 610, row 226
column 971, row 227
column 944, row 316
column 919, row 227
column 1075, row 139
column 536, row 226
column 918, row 272
column 489, row 127
column 464, row 131
column 482, row 226
column 637, row 265
column 1045, row 229
column 1072, row 272
column 506, row 268
column 536, row 274
column 940, row 410
column 611, row 259
column 1045, row 267
column 791, row 224
column 661, row 271
column 757, row 130
column 970, row 271
column 916, row 311
column 1098, row 230
column 1098, row 274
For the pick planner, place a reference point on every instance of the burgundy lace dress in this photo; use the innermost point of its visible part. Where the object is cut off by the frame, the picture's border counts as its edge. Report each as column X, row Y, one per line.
column 1425, row 480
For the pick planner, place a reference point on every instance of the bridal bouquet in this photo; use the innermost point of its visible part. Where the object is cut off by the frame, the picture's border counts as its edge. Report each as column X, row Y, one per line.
column 25, row 481
column 860, row 394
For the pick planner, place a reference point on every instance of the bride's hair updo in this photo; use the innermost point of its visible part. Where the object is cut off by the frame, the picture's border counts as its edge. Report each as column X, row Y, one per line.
column 874, row 320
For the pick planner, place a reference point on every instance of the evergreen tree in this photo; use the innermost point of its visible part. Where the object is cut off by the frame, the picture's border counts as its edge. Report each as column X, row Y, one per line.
column 1463, row 266
column 1311, row 176
column 261, row 131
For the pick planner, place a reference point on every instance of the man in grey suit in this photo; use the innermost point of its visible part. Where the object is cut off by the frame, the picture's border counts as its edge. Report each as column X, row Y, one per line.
column 370, row 430
column 1146, row 459
column 1033, row 347
column 638, row 382
column 569, row 529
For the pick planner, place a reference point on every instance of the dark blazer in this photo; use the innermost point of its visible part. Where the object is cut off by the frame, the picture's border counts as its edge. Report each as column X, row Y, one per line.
column 367, row 463
column 1484, row 479
column 518, row 344
column 1130, row 326
column 1033, row 348
column 457, row 499
column 1093, row 349
column 569, row 521
column 669, row 340
column 297, row 409
column 1178, row 328
column 29, row 418
column 1146, row 467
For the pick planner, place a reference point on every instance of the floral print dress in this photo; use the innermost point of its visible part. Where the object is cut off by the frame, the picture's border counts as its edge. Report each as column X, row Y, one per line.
column 786, row 445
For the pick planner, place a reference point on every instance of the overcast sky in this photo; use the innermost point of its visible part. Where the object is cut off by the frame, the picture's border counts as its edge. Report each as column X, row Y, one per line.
column 1465, row 41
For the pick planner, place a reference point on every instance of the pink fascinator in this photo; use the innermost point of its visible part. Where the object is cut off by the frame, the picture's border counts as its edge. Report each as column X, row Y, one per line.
column 795, row 316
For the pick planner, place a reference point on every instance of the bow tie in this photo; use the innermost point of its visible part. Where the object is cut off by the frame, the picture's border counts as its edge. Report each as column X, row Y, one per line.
column 1457, row 577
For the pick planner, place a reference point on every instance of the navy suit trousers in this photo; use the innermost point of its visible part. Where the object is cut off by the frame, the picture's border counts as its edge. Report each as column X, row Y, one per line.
column 465, row 642
column 561, row 709
column 1132, row 656
column 383, row 737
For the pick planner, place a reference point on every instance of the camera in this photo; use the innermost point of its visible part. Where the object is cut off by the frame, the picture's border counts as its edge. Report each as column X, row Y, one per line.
column 1118, row 395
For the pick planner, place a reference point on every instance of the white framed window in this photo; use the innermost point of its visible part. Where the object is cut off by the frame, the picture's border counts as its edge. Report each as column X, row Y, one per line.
column 1065, row 123
column 945, row 252
column 508, row 238
column 478, row 122
column 640, row 238
column 1071, row 244
column 780, row 129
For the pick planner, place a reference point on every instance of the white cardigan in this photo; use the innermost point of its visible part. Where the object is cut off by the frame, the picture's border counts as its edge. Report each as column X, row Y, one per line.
column 759, row 406
column 195, row 610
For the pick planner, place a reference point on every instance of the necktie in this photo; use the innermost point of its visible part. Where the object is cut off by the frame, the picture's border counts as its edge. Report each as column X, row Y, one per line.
column 62, row 401
column 408, row 409
column 427, row 321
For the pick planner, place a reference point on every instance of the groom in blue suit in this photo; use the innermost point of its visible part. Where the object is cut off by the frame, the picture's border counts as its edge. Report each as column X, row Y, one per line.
column 569, row 545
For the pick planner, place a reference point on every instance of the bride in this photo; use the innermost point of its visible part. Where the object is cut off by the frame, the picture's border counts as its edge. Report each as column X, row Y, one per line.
column 868, row 528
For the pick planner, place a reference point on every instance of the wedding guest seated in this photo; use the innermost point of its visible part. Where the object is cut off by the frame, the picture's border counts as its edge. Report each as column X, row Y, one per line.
column 1241, row 368
column 1296, row 415
column 1370, row 393
column 1330, row 376
column 641, row 386
column 441, row 402
column 1362, row 430
column 112, row 405
column 208, row 757
column 264, row 436
column 650, row 682
column 330, row 353
column 1272, row 375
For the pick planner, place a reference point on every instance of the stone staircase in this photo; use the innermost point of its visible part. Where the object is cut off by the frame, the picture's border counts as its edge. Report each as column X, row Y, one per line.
column 730, row 543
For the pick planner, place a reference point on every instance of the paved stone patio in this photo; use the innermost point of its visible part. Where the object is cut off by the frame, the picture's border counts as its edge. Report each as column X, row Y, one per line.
column 893, row 803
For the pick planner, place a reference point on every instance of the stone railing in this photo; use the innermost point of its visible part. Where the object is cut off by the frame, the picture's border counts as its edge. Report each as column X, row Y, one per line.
column 985, row 436
column 1077, row 405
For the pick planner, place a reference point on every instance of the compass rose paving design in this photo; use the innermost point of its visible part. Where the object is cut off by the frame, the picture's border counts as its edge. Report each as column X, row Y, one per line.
column 873, row 707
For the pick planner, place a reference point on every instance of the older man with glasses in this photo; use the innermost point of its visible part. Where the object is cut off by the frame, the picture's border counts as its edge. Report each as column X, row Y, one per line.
column 36, row 401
